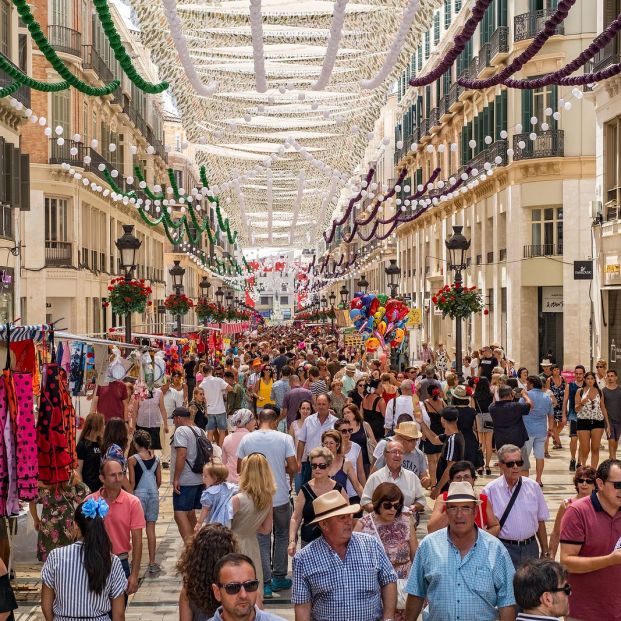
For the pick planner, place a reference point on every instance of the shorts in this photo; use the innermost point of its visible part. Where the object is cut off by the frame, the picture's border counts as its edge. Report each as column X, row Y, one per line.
column 216, row 421
column 154, row 432
column 615, row 430
column 188, row 498
column 429, row 448
column 573, row 428
column 150, row 502
column 588, row 424
column 537, row 445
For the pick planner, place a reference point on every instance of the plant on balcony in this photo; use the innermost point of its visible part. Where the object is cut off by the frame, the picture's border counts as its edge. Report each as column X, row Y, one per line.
column 457, row 301
column 178, row 304
column 128, row 296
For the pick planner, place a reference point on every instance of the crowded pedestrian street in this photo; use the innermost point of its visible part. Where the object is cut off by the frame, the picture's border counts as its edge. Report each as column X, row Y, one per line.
column 310, row 310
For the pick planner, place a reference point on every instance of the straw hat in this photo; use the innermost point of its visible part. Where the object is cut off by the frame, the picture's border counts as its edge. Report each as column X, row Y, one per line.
column 462, row 491
column 408, row 429
column 545, row 362
column 330, row 505
column 351, row 368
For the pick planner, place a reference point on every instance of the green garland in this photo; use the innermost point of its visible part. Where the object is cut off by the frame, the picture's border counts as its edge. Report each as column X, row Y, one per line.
column 52, row 57
column 10, row 89
column 101, row 6
column 25, row 80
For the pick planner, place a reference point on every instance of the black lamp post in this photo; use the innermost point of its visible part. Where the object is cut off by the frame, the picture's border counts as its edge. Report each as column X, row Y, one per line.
column 393, row 272
column 219, row 295
column 362, row 285
column 128, row 245
column 204, row 286
column 324, row 305
column 229, row 299
column 177, row 272
column 457, row 246
column 332, row 298
column 344, row 293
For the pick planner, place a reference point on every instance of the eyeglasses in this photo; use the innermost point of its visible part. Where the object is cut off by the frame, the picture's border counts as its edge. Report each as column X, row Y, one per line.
column 320, row 466
column 585, row 481
column 615, row 484
column 566, row 588
column 346, row 431
column 513, row 464
column 394, row 452
column 233, row 588
column 397, row 506
column 456, row 508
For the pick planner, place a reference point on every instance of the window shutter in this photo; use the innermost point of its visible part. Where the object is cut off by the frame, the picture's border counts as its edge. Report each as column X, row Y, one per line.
column 16, row 189
column 554, row 105
column 3, row 186
column 447, row 14
column 527, row 108
column 8, row 186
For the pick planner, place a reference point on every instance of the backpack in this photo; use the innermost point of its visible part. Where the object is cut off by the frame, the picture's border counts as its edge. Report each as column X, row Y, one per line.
column 204, row 452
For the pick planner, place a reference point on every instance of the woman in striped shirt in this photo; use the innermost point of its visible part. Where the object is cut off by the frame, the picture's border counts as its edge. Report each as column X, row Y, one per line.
column 84, row 580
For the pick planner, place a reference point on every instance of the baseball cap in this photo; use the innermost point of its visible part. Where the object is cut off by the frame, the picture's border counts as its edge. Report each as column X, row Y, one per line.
column 181, row 412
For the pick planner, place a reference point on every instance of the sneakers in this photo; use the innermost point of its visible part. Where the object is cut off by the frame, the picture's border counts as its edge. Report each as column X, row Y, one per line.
column 572, row 465
column 280, row 584
column 154, row 568
column 267, row 591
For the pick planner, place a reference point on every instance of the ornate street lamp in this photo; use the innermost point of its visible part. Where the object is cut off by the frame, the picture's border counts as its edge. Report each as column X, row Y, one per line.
column 362, row 285
column 204, row 285
column 332, row 298
column 219, row 295
column 393, row 273
column 229, row 299
column 344, row 293
column 457, row 246
column 128, row 245
column 176, row 272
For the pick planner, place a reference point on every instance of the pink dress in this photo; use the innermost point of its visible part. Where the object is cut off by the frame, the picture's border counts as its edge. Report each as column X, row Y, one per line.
column 229, row 452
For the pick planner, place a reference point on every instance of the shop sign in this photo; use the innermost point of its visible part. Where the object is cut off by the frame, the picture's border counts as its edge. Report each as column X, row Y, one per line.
column 552, row 300
column 612, row 273
column 583, row 270
column 415, row 318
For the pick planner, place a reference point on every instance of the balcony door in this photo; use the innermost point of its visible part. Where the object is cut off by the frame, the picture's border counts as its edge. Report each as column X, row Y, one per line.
column 62, row 14
column 547, row 231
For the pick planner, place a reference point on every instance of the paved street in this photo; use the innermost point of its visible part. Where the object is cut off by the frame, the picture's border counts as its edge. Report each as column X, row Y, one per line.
column 156, row 599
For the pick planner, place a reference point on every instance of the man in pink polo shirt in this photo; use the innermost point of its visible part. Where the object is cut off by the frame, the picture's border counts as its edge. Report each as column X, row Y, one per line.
column 591, row 548
column 124, row 522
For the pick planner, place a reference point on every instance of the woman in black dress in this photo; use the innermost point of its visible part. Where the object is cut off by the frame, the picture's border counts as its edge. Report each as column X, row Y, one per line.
column 433, row 406
column 374, row 410
column 466, row 423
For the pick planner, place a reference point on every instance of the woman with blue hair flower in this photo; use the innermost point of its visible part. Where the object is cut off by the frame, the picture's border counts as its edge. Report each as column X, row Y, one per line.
column 85, row 580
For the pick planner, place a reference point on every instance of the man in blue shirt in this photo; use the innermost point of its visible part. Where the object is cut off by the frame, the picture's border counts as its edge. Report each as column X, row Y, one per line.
column 463, row 572
column 342, row 576
column 539, row 423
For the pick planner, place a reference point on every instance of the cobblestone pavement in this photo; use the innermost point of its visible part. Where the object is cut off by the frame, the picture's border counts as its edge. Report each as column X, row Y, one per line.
column 156, row 599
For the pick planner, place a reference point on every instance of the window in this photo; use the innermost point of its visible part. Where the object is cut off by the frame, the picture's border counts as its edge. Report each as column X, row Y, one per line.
column 178, row 178
column 447, row 14
column 427, row 44
column 436, row 28
column 22, row 51
column 284, row 300
column 419, row 60
column 6, row 221
column 61, row 105
column 457, row 6
column 266, row 300
column 56, row 219
column 177, row 142
column 5, row 27
column 61, row 13
column 547, row 230
column 612, row 161
column 535, row 102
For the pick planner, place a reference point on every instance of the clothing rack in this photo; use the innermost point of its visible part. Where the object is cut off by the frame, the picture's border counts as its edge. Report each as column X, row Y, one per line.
column 67, row 336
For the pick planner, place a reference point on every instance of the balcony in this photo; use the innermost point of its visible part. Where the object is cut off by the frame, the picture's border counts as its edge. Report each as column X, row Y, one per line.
column 453, row 95
column 443, row 107
column 528, row 25
column 61, row 153
column 606, row 57
column 92, row 60
column 65, row 40
column 22, row 94
column 485, row 57
column 550, row 143
column 58, row 254
column 499, row 42
column 542, row 250
column 434, row 118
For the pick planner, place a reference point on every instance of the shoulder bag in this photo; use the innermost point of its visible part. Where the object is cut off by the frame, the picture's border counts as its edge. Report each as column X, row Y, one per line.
column 401, row 582
column 370, row 444
column 485, row 422
column 512, row 500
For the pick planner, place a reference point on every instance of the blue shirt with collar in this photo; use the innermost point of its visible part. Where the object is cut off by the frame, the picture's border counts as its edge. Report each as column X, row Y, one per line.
column 260, row 615
column 471, row 588
column 537, row 421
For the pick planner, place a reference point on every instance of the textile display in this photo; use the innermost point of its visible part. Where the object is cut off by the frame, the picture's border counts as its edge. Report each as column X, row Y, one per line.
column 27, row 467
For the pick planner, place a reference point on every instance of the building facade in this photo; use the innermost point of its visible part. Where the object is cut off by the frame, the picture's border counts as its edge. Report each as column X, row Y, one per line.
column 69, row 234
column 529, row 169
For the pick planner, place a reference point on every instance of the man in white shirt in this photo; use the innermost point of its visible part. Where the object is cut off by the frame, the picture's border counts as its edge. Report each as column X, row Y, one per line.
column 403, row 404
column 394, row 472
column 215, row 388
column 279, row 451
column 309, row 436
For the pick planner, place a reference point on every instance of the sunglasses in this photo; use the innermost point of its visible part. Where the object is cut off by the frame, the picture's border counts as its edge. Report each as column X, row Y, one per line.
column 566, row 588
column 233, row 588
column 512, row 464
column 320, row 466
column 397, row 506
column 598, row 366
column 615, row 484
column 585, row 481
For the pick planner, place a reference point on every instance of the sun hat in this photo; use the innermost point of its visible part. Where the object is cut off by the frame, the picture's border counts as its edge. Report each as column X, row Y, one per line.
column 351, row 367
column 461, row 392
column 545, row 363
column 241, row 417
column 330, row 505
column 461, row 491
column 408, row 429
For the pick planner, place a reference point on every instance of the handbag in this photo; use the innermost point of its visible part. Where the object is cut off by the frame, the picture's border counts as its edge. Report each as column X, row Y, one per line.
column 485, row 422
column 402, row 596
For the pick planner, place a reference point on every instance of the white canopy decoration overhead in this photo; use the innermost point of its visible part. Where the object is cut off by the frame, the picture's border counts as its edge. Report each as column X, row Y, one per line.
column 280, row 96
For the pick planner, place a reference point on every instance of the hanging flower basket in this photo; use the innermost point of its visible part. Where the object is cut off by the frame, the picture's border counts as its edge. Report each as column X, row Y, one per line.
column 204, row 309
column 178, row 304
column 459, row 302
column 128, row 296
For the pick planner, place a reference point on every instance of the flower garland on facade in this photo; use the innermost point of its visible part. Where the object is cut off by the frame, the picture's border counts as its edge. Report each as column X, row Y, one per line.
column 128, row 296
column 457, row 301
column 178, row 304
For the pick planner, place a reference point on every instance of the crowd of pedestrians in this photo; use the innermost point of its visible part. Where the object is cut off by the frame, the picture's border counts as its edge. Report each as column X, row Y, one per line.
column 295, row 452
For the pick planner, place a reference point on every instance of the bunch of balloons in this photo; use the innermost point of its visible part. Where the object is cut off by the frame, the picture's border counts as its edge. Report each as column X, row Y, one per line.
column 379, row 319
